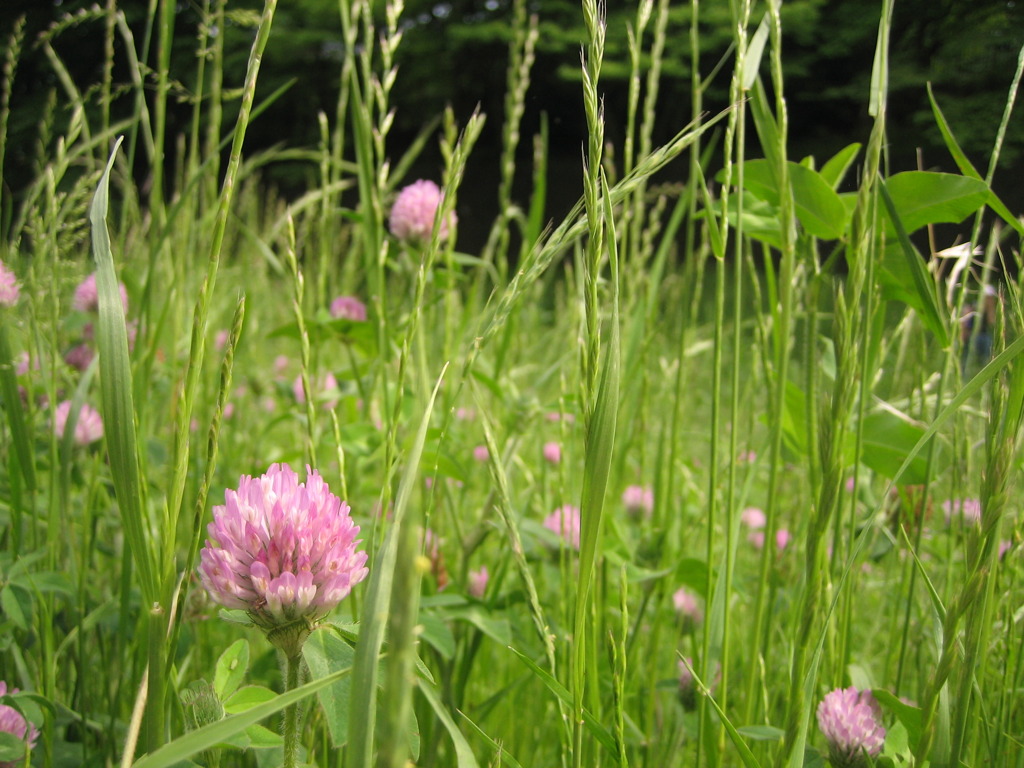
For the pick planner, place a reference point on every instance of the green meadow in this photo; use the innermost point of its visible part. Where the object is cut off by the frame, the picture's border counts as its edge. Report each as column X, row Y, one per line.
column 639, row 486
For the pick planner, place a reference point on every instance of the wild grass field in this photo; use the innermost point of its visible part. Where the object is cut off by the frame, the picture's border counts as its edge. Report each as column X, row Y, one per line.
column 722, row 469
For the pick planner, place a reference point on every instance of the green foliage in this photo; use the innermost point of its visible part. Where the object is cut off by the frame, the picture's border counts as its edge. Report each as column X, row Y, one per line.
column 830, row 382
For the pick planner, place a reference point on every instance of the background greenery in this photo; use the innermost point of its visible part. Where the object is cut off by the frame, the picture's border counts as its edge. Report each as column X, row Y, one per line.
column 455, row 52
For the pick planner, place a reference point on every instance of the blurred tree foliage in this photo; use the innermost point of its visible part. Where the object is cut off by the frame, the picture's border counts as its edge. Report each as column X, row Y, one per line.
column 455, row 52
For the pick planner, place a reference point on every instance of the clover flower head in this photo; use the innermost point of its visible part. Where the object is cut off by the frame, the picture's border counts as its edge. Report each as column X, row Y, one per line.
column 283, row 551
column 14, row 723
column 968, row 510
column 9, row 288
column 478, row 582
column 88, row 426
column 327, row 384
column 850, row 720
column 79, row 356
column 481, row 454
column 688, row 685
column 349, row 308
column 565, row 521
column 552, row 452
column 412, row 215
column 87, row 297
column 753, row 517
column 638, row 498
column 687, row 605
column 782, row 539
column 568, row 418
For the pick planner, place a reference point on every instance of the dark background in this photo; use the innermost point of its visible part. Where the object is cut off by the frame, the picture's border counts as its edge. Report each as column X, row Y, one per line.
column 455, row 52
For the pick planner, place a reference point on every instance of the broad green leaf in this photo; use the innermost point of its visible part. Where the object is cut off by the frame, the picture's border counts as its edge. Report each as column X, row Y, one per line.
column 819, row 208
column 834, row 171
column 326, row 653
column 761, row 732
column 16, row 606
column 924, row 197
column 261, row 737
column 247, row 697
column 897, row 748
column 693, row 573
column 755, row 49
column 231, row 668
column 888, row 439
column 47, row 582
column 12, row 749
column 760, row 219
column 921, row 290
column 437, row 633
column 495, row 626
column 908, row 715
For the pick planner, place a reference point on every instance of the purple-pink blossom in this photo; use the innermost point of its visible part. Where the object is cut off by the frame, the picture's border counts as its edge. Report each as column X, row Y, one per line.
column 327, row 384
column 782, row 538
column 568, row 418
column 88, row 425
column 282, row 550
column 968, row 510
column 638, row 498
column 753, row 517
column 79, row 356
column 478, row 582
column 552, row 452
column 851, row 722
column 565, row 521
column 14, row 723
column 9, row 288
column 348, row 308
column 412, row 215
column 687, row 605
column 87, row 295
column 481, row 454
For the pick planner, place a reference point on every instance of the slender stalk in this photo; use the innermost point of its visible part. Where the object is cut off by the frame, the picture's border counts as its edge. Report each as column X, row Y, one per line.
column 290, row 722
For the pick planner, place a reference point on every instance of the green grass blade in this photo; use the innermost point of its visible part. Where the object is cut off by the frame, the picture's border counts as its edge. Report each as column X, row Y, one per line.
column 221, row 731
column 116, row 393
column 970, row 389
column 734, row 735
column 598, row 731
column 15, row 413
column 463, row 753
column 363, row 711
column 966, row 167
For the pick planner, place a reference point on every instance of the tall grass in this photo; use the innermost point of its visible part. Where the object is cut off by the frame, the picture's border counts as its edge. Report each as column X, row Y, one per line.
column 756, row 339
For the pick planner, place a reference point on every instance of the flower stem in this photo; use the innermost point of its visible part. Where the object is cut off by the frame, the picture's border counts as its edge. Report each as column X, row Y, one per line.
column 291, row 713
